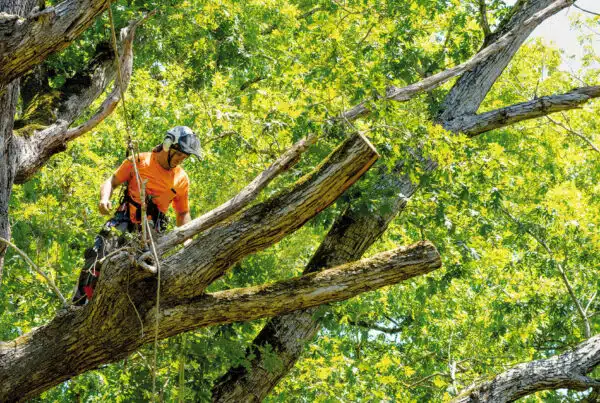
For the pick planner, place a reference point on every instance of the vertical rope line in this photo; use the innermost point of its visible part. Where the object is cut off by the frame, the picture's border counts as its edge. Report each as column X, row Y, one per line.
column 127, row 123
column 157, row 320
column 145, row 225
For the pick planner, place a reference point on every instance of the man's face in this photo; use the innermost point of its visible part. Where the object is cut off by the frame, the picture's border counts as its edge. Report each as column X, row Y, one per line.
column 177, row 157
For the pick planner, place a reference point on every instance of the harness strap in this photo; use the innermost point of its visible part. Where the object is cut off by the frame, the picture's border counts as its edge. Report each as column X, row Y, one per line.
column 158, row 217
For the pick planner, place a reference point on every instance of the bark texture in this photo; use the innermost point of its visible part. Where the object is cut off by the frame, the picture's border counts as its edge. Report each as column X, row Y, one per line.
column 568, row 370
column 29, row 36
column 9, row 152
column 55, row 352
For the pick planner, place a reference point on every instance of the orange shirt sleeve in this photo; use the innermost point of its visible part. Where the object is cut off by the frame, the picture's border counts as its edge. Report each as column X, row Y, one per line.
column 124, row 172
column 181, row 199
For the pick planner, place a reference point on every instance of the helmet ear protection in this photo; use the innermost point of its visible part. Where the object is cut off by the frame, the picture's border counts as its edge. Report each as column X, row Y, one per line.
column 171, row 138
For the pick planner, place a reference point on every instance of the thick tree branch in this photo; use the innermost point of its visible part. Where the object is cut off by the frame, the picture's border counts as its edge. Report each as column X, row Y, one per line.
column 26, row 42
column 310, row 290
column 234, row 205
column 75, row 97
column 513, row 38
column 568, row 370
column 474, row 125
column 110, row 103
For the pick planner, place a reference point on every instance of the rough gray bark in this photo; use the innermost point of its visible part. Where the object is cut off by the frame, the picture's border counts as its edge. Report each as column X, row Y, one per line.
column 28, row 38
column 336, row 284
column 27, row 367
column 568, row 370
column 8, row 161
column 352, row 234
column 9, row 152
column 477, row 124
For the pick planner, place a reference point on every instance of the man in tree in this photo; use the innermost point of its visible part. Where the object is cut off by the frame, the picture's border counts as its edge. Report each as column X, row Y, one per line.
column 166, row 184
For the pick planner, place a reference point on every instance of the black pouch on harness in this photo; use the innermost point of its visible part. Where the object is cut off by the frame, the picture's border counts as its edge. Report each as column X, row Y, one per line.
column 159, row 220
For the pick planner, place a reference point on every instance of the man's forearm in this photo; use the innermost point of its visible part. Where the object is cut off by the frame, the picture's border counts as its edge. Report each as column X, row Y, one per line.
column 183, row 218
column 106, row 190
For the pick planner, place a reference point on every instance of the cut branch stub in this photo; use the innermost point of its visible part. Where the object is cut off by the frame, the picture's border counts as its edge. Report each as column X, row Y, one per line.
column 238, row 202
column 337, row 284
column 214, row 252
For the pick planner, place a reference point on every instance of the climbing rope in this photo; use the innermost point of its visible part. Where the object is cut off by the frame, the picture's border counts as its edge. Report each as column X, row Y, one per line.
column 146, row 231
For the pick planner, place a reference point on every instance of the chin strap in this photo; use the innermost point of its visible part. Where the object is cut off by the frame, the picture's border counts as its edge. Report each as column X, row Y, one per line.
column 169, row 156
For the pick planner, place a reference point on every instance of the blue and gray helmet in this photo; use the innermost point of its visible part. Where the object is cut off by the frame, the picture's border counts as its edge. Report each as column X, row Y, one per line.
column 182, row 138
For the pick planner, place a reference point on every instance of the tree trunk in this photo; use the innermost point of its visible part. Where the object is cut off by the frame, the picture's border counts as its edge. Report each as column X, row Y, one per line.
column 8, row 163
column 9, row 153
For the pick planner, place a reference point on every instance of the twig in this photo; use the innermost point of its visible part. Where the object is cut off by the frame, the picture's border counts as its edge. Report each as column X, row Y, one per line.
column 582, row 313
column 574, row 133
column 592, row 298
column 38, row 270
column 586, row 11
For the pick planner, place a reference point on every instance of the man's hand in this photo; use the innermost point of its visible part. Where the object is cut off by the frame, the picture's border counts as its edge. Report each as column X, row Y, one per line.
column 106, row 190
column 105, row 206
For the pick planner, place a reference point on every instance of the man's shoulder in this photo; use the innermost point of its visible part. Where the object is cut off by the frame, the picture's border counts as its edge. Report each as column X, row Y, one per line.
column 181, row 177
column 141, row 159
